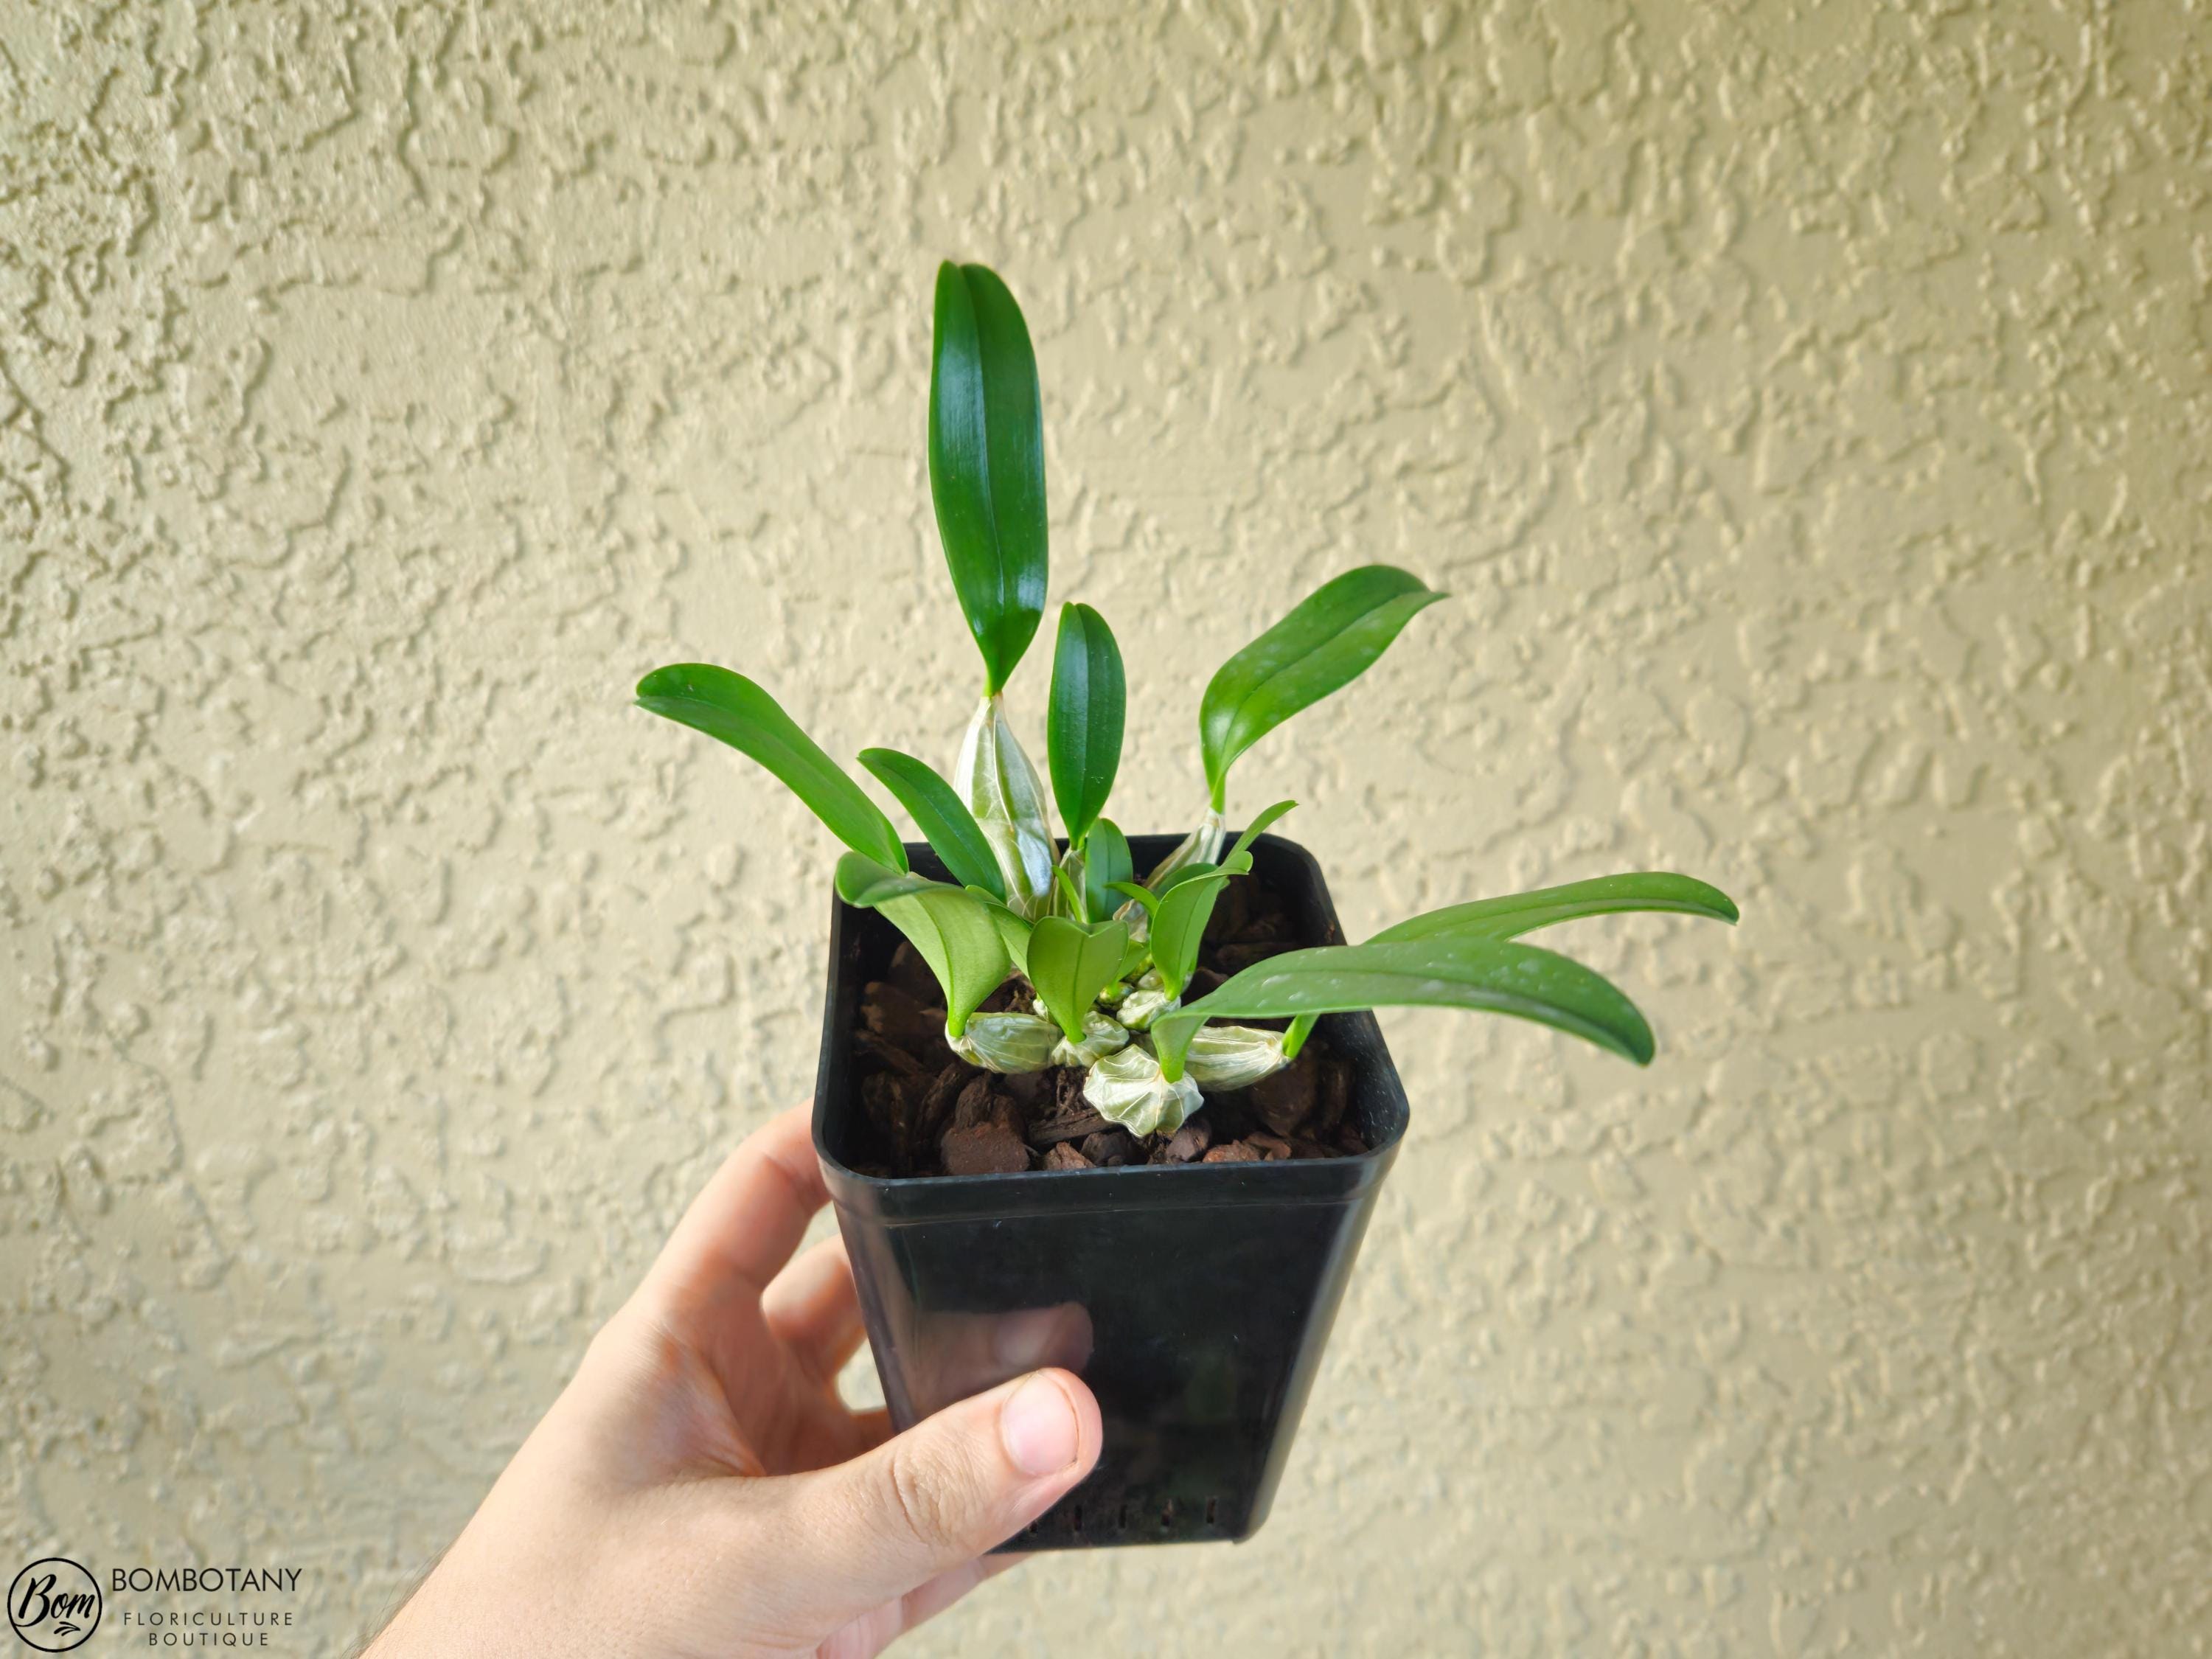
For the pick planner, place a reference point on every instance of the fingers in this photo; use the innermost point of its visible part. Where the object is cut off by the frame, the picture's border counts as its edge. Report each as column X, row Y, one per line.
column 813, row 1309
column 933, row 1499
column 745, row 1222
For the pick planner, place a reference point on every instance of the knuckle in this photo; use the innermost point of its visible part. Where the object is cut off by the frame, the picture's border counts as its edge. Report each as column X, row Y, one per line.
column 926, row 1495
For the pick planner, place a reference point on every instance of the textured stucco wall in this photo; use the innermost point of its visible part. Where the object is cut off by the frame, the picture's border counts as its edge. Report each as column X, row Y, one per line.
column 1806, row 406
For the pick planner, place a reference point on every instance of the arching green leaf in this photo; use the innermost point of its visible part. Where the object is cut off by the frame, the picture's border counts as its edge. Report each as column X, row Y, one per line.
column 1257, row 828
column 1464, row 971
column 731, row 707
column 1330, row 638
column 943, row 816
column 1516, row 914
column 950, row 927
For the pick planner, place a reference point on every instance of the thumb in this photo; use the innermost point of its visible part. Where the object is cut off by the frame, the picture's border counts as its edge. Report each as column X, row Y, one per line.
column 939, row 1495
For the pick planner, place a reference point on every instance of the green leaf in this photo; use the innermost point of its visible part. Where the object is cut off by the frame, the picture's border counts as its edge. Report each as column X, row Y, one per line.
column 1013, row 930
column 1255, row 830
column 944, row 819
column 949, row 926
column 1105, row 860
column 1494, row 975
column 863, row 883
column 1070, row 964
column 1179, row 926
column 1521, row 913
column 1183, row 872
column 1013, row 927
column 732, row 708
column 1143, row 894
column 1070, row 894
column 1334, row 635
column 986, row 463
column 1083, row 730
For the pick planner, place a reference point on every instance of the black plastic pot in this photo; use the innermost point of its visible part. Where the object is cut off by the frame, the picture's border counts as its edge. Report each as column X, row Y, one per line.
column 1195, row 1299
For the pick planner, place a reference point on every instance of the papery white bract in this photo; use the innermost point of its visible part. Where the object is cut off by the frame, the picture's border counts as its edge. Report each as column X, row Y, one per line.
column 1001, row 788
column 1129, row 1088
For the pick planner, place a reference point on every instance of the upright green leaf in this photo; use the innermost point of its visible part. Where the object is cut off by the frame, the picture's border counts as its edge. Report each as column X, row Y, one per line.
column 1070, row 964
column 986, row 463
column 1465, row 971
column 950, row 927
column 1521, row 913
column 1083, row 734
column 1106, row 860
column 944, row 817
column 1179, row 927
column 1070, row 896
column 731, row 707
column 1257, row 828
column 1330, row 638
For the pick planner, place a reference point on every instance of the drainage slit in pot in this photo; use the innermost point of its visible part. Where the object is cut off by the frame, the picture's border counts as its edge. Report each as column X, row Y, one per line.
column 1123, row 1523
column 1211, row 1505
column 1167, row 1515
column 1075, row 1519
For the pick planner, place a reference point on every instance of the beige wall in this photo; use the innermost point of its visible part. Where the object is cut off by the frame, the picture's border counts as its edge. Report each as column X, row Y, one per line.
column 1807, row 407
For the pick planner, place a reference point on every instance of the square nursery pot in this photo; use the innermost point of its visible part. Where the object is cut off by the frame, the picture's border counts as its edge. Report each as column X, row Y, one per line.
column 1195, row 1299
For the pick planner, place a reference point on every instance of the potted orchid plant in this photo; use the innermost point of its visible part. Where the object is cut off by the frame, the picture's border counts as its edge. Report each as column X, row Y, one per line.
column 1011, row 1009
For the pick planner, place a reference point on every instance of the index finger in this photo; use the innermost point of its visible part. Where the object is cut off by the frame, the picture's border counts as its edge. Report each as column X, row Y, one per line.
column 747, row 1220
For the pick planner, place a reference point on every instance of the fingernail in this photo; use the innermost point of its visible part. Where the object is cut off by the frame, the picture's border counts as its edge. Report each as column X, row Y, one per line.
column 1038, row 1424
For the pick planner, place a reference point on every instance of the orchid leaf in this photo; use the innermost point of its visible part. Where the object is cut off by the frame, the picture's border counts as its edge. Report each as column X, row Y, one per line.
column 1070, row 964
column 1105, row 860
column 1330, row 638
column 1179, row 927
column 1013, row 929
column 729, row 707
column 1254, row 830
column 1070, row 894
column 1143, row 894
column 864, row 884
column 1543, row 907
column 1083, row 730
column 1452, row 971
column 949, row 926
column 944, row 817
column 1183, row 872
column 1516, row 914
column 986, row 463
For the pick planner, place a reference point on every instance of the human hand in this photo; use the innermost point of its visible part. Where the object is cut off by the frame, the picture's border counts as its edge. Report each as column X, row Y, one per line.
column 699, row 1488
